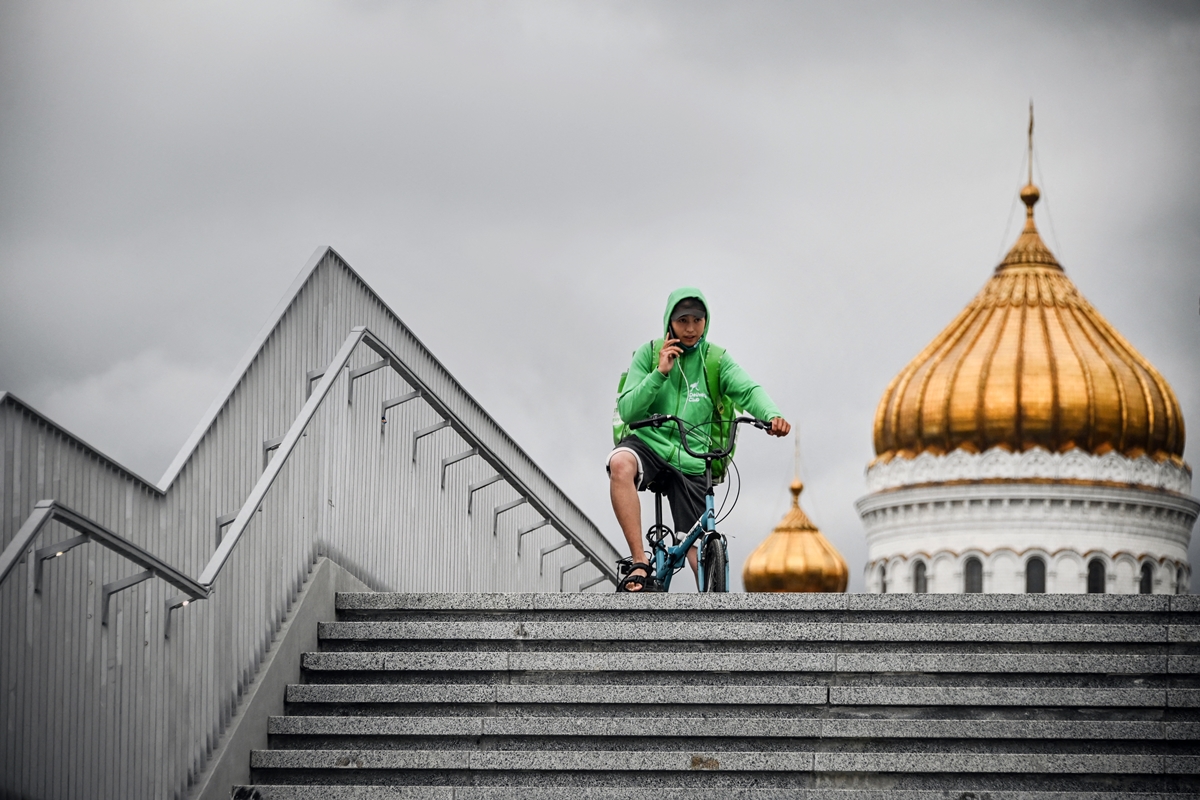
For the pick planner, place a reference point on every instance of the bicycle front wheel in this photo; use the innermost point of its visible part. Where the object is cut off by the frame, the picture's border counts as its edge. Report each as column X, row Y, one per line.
column 714, row 561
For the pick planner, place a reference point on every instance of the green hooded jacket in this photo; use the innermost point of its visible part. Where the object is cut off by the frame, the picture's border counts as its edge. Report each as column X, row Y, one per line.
column 684, row 393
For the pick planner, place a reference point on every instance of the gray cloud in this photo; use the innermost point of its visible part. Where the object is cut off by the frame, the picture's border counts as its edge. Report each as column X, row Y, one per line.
column 837, row 178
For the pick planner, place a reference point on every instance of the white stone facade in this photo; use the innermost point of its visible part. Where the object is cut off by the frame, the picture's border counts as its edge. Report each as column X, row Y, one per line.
column 1005, row 509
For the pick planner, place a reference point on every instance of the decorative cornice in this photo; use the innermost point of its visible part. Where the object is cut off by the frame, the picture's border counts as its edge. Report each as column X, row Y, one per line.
column 1083, row 508
column 1036, row 464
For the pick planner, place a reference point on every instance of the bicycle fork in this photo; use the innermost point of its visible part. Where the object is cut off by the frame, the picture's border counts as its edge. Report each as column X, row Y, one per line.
column 702, row 546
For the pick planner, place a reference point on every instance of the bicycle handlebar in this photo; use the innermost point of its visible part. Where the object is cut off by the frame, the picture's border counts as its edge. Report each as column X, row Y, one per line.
column 658, row 420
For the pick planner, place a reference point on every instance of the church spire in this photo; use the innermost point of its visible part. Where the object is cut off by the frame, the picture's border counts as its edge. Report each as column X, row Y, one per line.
column 1030, row 193
column 1029, row 248
column 1030, row 181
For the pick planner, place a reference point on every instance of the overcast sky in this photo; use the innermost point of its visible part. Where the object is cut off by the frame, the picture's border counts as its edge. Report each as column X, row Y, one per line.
column 525, row 182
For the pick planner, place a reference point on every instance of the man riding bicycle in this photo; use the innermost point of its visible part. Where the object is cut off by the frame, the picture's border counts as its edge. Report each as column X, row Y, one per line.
column 673, row 381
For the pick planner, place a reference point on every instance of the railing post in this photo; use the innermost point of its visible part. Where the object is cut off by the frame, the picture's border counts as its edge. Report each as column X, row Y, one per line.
column 547, row 551
column 529, row 529
column 313, row 375
column 268, row 446
column 395, row 401
column 475, row 487
column 119, row 586
column 222, row 522
column 593, row 582
column 474, row 451
column 53, row 551
column 498, row 510
column 562, row 572
column 355, row 374
column 421, row 434
column 178, row 601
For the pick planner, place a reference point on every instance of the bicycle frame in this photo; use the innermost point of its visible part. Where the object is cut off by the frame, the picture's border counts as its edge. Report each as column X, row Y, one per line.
column 668, row 560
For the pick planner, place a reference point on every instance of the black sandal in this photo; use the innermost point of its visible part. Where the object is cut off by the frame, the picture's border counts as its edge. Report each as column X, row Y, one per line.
column 643, row 582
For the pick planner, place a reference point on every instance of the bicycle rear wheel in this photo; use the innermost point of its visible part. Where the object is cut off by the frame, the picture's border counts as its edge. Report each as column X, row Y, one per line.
column 714, row 561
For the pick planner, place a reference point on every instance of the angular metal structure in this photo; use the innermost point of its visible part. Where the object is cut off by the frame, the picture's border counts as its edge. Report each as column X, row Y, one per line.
column 135, row 615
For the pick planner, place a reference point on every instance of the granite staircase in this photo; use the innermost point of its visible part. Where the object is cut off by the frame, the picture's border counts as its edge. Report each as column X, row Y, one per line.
column 762, row 697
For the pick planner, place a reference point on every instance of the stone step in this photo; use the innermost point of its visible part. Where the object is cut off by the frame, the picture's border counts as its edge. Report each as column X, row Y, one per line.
column 567, row 661
column 1059, row 605
column 744, row 631
column 540, row 694
column 353, row 792
column 590, row 761
column 750, row 727
column 737, row 694
column 759, row 697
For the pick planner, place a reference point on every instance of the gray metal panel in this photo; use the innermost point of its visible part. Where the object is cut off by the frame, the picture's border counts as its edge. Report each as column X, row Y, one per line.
column 118, row 710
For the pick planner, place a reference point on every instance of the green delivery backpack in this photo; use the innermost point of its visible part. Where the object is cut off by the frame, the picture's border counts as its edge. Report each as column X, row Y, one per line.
column 723, row 409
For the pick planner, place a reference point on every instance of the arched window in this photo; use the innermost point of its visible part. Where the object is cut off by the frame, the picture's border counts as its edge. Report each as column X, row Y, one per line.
column 1146, row 586
column 1180, row 586
column 1095, row 576
column 973, row 575
column 883, row 579
column 920, row 582
column 1035, row 576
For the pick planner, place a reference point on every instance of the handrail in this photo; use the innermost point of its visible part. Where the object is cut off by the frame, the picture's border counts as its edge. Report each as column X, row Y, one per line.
column 284, row 451
column 359, row 334
column 488, row 454
column 46, row 510
column 199, row 589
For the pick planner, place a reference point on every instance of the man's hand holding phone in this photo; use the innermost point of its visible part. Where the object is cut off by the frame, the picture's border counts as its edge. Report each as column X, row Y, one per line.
column 666, row 357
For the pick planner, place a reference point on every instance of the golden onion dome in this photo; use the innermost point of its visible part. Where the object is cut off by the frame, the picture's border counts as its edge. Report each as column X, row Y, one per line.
column 795, row 557
column 1029, row 363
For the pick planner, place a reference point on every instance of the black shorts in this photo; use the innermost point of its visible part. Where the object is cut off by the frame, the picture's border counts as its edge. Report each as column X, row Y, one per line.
column 685, row 493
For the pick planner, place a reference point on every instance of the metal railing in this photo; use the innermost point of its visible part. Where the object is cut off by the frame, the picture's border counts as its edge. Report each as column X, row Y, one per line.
column 126, row 699
column 478, row 447
column 201, row 588
column 92, row 531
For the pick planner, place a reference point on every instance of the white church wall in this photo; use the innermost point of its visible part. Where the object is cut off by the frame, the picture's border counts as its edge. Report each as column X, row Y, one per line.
column 1006, row 521
column 1126, row 574
column 1004, row 572
column 1007, row 574
column 1071, row 573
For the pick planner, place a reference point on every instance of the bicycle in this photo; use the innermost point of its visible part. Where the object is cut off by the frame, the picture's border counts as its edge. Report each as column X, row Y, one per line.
column 712, row 573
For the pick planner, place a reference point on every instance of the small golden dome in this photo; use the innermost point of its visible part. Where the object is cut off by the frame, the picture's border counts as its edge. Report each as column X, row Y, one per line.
column 1029, row 363
column 795, row 557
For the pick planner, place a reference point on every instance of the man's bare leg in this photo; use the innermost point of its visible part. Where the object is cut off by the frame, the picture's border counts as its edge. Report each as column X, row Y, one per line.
column 622, row 471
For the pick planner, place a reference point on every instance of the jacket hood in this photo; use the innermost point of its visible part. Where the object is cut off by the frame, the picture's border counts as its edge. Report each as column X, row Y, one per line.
column 681, row 294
